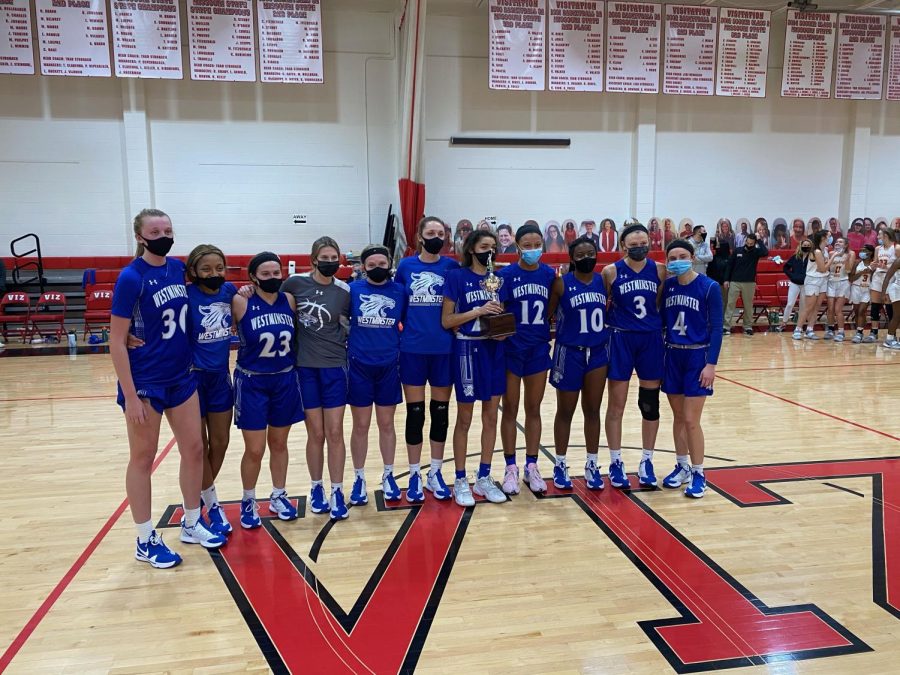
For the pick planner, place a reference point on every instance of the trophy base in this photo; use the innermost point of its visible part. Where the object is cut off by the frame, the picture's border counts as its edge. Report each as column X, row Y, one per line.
column 498, row 325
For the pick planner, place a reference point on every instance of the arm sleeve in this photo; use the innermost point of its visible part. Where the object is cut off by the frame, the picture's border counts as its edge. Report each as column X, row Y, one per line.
column 704, row 254
column 716, row 320
column 126, row 293
column 761, row 250
column 450, row 290
column 729, row 267
column 400, row 274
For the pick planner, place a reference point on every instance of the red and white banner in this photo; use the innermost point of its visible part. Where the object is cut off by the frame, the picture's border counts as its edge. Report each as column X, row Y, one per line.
column 743, row 52
column 632, row 47
column 893, row 79
column 290, row 41
column 16, row 51
column 222, row 44
column 147, row 39
column 690, row 67
column 860, row 63
column 576, row 45
column 808, row 54
column 517, row 44
column 73, row 38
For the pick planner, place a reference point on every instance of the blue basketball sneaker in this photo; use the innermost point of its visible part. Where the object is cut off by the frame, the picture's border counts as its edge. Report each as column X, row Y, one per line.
column 218, row 523
column 339, row 509
column 435, row 484
column 156, row 553
column 250, row 514
column 593, row 479
column 617, row 476
column 358, row 495
column 317, row 501
column 561, row 476
column 280, row 505
column 697, row 488
column 389, row 488
column 678, row 477
column 646, row 475
column 414, row 493
column 201, row 534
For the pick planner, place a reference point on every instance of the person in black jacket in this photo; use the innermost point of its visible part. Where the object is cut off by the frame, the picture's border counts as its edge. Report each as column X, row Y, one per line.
column 740, row 279
column 718, row 266
column 795, row 269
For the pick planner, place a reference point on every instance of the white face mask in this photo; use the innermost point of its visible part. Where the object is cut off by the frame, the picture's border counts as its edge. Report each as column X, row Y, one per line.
column 863, row 255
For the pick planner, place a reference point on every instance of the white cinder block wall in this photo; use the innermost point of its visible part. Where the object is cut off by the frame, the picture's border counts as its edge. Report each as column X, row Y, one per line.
column 233, row 162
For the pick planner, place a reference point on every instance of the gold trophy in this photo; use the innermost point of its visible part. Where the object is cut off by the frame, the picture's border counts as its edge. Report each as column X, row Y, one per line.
column 495, row 325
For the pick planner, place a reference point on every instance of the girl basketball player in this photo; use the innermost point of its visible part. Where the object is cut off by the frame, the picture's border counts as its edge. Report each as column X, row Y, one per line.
column 528, row 284
column 376, row 310
column 860, row 276
column 267, row 385
column 795, row 270
column 479, row 372
column 885, row 255
column 425, row 347
column 580, row 358
column 633, row 285
column 150, row 301
column 693, row 316
column 891, row 288
column 323, row 310
column 838, row 292
column 815, row 288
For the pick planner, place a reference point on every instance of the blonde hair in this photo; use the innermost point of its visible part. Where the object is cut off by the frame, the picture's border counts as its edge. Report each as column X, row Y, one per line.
column 197, row 254
column 323, row 242
column 139, row 223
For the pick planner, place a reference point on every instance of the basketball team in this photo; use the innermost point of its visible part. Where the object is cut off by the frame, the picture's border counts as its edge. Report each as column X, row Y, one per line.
column 310, row 345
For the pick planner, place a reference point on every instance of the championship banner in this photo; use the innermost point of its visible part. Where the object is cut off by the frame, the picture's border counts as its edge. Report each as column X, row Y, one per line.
column 16, row 51
column 517, row 44
column 690, row 66
column 576, row 45
column 743, row 52
column 147, row 39
column 860, row 63
column 290, row 41
column 221, row 40
column 73, row 38
column 808, row 54
column 893, row 85
column 632, row 47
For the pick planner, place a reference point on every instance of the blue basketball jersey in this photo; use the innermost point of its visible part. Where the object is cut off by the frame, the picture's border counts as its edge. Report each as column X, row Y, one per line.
column 375, row 315
column 267, row 336
column 527, row 296
column 581, row 314
column 156, row 301
column 210, row 327
column 633, row 298
column 693, row 314
column 424, row 284
column 464, row 288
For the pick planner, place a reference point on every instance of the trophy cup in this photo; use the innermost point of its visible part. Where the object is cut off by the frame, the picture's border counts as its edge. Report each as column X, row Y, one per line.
column 495, row 325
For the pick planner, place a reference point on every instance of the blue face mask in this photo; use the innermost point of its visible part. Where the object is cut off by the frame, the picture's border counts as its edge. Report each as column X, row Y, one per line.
column 532, row 257
column 830, row 240
column 679, row 267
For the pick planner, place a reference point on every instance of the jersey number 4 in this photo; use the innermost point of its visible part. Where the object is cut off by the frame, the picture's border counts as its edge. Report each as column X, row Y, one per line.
column 268, row 340
column 169, row 324
column 679, row 326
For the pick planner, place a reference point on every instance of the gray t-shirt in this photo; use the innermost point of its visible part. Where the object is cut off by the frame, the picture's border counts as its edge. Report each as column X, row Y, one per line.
column 323, row 312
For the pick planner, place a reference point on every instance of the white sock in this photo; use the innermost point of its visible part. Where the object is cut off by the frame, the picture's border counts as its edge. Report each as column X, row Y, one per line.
column 683, row 460
column 337, row 487
column 191, row 516
column 648, row 454
column 144, row 531
column 209, row 496
column 360, row 473
column 316, row 482
column 417, row 468
column 249, row 494
column 278, row 491
column 698, row 468
column 592, row 457
column 615, row 456
column 436, row 465
column 388, row 468
column 560, row 460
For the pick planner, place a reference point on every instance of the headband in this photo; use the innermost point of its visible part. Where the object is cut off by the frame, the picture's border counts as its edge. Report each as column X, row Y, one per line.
column 375, row 250
column 681, row 243
column 578, row 242
column 634, row 227
column 259, row 259
column 528, row 229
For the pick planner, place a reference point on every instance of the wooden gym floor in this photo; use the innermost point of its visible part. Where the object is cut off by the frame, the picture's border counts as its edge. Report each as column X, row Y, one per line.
column 791, row 564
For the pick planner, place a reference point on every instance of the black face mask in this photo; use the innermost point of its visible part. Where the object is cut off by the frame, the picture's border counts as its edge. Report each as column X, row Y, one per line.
column 271, row 285
column 806, row 250
column 328, row 269
column 433, row 245
column 212, row 283
column 586, row 265
column 159, row 246
column 378, row 274
column 484, row 257
column 638, row 253
column 703, row 236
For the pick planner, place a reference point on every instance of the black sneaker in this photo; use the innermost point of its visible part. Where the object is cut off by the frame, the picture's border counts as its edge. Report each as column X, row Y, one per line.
column 748, row 332
column 726, row 331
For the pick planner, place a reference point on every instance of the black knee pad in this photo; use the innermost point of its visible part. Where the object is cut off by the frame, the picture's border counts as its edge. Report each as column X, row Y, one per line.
column 875, row 312
column 648, row 402
column 415, row 422
column 440, row 421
